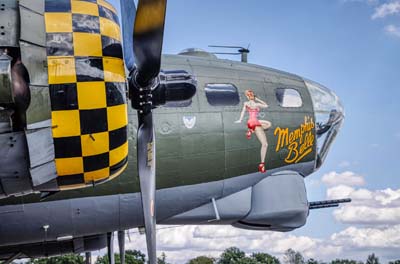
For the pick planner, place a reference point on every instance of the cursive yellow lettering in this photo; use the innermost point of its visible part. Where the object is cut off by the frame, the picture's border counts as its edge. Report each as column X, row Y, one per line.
column 293, row 153
column 298, row 142
column 283, row 135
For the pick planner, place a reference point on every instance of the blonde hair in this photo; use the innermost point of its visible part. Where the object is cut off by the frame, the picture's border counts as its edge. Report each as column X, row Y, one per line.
column 249, row 93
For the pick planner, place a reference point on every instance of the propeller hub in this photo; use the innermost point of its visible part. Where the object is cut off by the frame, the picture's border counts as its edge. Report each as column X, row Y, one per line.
column 141, row 95
column 168, row 86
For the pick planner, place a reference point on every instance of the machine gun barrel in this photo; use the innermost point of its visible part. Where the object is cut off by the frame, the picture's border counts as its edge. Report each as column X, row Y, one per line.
column 327, row 203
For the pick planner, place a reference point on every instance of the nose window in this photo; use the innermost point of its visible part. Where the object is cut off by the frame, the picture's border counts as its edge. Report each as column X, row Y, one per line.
column 288, row 97
column 324, row 100
column 327, row 106
column 329, row 114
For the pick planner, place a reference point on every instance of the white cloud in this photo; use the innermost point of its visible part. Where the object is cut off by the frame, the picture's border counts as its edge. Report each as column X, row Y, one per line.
column 379, row 207
column 388, row 196
column 186, row 242
column 367, row 238
column 383, row 10
column 367, row 215
column 339, row 192
column 183, row 243
column 347, row 178
column 394, row 31
column 386, row 9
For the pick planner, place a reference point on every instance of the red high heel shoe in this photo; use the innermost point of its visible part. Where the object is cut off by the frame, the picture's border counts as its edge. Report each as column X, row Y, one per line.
column 248, row 134
column 261, row 167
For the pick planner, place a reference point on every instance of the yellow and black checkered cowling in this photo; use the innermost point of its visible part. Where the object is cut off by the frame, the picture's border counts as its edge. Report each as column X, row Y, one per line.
column 87, row 91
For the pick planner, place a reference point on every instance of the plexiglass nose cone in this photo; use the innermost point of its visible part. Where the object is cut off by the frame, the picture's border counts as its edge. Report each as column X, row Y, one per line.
column 329, row 116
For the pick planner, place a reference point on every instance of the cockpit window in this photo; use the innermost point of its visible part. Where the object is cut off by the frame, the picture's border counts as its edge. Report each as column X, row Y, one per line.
column 222, row 94
column 288, row 97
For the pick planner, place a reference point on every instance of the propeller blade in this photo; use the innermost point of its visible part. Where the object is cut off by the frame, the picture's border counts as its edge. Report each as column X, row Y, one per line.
column 143, row 41
column 128, row 13
column 148, row 39
column 147, row 177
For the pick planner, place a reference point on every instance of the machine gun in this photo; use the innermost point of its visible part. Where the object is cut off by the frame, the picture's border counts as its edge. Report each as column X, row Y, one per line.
column 327, row 203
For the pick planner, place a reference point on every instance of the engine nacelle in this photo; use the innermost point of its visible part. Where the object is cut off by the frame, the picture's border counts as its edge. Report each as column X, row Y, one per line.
column 73, row 133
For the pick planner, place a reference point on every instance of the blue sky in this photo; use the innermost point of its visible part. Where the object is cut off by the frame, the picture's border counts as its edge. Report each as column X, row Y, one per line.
column 350, row 46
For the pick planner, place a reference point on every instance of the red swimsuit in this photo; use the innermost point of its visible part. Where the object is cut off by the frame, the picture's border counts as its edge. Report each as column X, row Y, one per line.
column 253, row 122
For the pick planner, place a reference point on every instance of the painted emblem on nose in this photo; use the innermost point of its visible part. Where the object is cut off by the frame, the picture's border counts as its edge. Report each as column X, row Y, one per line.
column 189, row 121
column 253, row 107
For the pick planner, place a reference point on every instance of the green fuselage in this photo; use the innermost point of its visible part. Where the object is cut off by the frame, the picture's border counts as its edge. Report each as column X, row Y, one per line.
column 216, row 147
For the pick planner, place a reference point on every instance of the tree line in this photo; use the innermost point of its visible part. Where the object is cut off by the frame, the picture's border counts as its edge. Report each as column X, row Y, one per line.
column 231, row 255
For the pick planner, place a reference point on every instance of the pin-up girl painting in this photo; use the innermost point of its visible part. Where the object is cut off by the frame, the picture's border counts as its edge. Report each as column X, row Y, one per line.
column 254, row 125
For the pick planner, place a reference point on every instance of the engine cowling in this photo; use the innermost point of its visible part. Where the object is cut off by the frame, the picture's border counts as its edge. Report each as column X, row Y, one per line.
column 74, row 133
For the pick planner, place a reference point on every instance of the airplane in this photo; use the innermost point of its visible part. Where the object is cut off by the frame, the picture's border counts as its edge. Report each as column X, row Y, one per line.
column 100, row 133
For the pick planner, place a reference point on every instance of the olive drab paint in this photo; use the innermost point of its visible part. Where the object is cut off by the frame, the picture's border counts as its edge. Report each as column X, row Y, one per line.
column 198, row 143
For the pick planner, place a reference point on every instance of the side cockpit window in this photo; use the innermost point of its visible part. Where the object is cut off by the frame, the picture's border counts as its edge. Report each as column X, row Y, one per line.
column 222, row 94
column 288, row 97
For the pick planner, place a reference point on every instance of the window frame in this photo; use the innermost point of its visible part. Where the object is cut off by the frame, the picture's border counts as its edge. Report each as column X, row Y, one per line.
column 236, row 92
column 289, row 88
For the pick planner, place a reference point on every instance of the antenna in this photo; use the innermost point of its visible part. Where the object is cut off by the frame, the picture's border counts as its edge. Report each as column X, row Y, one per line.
column 240, row 51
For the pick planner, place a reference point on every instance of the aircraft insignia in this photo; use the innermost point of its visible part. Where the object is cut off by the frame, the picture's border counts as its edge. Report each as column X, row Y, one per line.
column 189, row 121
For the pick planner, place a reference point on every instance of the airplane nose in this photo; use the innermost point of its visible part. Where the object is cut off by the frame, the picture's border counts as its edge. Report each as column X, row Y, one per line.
column 329, row 117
